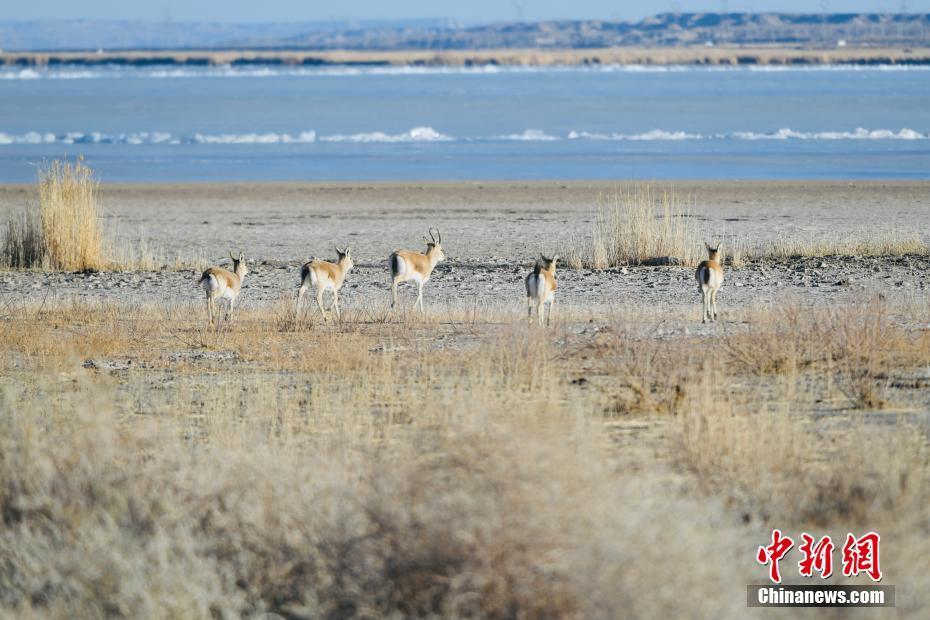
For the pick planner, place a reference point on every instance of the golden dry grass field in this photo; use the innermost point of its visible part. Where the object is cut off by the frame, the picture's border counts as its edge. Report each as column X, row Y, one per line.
column 626, row 462
column 461, row 465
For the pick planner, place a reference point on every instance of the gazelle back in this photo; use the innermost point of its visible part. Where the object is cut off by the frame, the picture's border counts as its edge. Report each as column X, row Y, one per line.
column 540, row 288
column 408, row 265
column 324, row 275
column 709, row 276
column 221, row 283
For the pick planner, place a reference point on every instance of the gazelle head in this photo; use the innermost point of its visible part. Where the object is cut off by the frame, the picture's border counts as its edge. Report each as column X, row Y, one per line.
column 239, row 266
column 713, row 253
column 344, row 258
column 434, row 246
column 547, row 264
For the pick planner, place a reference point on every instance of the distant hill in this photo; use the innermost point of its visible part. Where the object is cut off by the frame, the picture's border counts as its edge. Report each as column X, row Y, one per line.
column 666, row 29
column 82, row 35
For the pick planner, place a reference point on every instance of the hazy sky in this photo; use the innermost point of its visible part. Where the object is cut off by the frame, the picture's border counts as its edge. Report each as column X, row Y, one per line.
column 468, row 10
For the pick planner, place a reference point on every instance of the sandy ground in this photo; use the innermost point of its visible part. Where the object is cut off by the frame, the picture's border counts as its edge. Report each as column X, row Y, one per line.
column 491, row 233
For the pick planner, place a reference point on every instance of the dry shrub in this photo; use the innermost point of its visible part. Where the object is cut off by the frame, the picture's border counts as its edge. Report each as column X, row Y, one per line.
column 784, row 339
column 635, row 226
column 857, row 348
column 483, row 515
column 786, row 470
column 866, row 346
column 790, row 472
column 647, row 376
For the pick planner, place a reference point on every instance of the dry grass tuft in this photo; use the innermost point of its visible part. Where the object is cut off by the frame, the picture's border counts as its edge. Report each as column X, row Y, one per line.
column 69, row 212
column 64, row 232
column 636, row 226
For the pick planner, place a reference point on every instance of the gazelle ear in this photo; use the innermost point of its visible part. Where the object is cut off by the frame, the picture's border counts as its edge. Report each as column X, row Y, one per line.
column 231, row 257
column 241, row 256
column 347, row 251
column 707, row 245
column 555, row 258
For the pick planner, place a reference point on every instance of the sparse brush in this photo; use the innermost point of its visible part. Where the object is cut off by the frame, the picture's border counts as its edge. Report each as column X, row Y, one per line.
column 23, row 246
column 646, row 377
column 781, row 468
column 864, row 345
column 778, row 340
column 891, row 243
column 736, row 253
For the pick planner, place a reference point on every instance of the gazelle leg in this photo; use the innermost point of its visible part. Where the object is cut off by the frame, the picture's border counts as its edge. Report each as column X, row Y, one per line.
column 713, row 300
column 319, row 300
column 393, row 293
column 420, row 298
column 541, row 312
column 529, row 309
column 549, row 315
column 336, row 303
column 704, row 308
column 229, row 311
column 210, row 308
column 300, row 295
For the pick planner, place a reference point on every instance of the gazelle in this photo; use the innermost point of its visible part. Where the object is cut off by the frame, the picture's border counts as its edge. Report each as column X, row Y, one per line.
column 410, row 265
column 218, row 282
column 540, row 288
column 709, row 276
column 323, row 276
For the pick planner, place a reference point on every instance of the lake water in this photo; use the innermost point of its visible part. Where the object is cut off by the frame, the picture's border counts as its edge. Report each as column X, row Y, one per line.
column 173, row 124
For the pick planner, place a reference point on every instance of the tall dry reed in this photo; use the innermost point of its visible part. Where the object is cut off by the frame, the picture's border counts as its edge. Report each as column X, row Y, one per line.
column 64, row 231
column 636, row 226
column 69, row 212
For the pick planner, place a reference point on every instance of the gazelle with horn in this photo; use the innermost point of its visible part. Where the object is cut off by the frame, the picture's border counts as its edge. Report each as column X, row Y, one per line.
column 540, row 288
column 709, row 276
column 324, row 275
column 409, row 265
column 222, row 283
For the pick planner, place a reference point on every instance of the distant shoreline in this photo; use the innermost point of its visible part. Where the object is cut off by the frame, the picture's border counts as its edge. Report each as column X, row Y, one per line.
column 697, row 55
